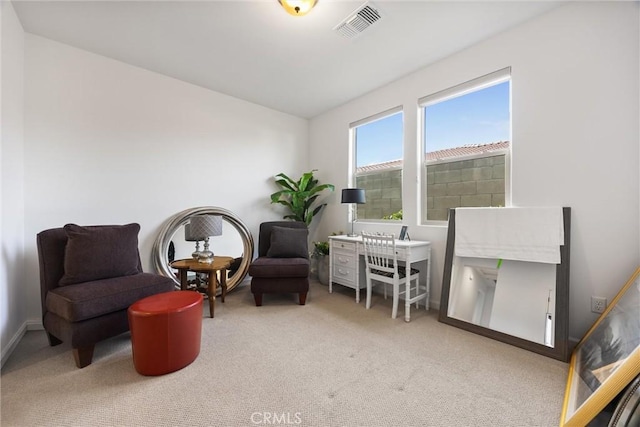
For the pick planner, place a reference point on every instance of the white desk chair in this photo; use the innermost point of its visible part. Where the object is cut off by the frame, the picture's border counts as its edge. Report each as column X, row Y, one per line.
column 382, row 266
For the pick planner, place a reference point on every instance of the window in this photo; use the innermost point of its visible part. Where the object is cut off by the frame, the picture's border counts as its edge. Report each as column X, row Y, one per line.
column 377, row 147
column 466, row 133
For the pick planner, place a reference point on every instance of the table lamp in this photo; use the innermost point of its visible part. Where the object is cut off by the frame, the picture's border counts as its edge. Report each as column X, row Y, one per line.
column 205, row 226
column 353, row 196
column 190, row 237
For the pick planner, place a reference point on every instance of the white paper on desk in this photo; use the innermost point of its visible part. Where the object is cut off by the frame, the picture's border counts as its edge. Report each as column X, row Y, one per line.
column 521, row 234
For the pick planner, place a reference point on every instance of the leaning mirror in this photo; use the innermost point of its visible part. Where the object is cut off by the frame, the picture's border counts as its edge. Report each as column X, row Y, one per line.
column 236, row 241
column 510, row 298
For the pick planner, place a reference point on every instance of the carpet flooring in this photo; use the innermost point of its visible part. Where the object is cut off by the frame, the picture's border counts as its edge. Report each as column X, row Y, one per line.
column 328, row 363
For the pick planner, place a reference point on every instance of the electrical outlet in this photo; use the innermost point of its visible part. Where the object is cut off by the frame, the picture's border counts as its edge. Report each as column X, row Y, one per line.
column 598, row 304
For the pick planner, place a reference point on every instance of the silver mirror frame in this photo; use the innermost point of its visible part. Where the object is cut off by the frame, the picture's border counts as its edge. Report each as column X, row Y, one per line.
column 161, row 245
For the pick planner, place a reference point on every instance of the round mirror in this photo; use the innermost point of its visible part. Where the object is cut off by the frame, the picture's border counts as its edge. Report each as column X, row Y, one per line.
column 236, row 241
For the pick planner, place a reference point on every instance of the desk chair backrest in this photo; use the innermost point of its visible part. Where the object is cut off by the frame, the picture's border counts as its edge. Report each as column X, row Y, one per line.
column 380, row 254
column 382, row 266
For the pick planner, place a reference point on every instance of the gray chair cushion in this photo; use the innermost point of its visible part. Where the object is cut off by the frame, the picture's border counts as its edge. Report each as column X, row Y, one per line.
column 95, row 253
column 279, row 267
column 264, row 239
column 92, row 299
column 288, row 243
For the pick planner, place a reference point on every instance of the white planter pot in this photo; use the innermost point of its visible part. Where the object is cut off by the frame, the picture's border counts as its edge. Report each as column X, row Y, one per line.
column 323, row 269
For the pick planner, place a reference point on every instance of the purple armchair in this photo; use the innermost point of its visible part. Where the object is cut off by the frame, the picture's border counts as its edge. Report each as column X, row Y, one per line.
column 89, row 276
column 282, row 265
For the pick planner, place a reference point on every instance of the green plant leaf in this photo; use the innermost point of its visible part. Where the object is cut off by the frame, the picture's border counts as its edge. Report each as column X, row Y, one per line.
column 309, row 201
column 316, row 210
column 300, row 196
column 286, row 184
column 305, row 180
column 322, row 187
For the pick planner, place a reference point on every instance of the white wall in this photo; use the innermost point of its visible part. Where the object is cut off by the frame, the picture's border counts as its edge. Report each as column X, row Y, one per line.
column 108, row 143
column 575, row 133
column 13, row 295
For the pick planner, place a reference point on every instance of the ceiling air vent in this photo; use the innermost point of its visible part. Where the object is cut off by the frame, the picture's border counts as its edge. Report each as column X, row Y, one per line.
column 361, row 19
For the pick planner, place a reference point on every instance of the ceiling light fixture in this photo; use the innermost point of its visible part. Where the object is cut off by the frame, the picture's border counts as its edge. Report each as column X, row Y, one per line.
column 298, row 7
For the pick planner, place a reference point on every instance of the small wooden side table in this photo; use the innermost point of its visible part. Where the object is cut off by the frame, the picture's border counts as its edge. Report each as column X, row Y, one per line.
column 220, row 263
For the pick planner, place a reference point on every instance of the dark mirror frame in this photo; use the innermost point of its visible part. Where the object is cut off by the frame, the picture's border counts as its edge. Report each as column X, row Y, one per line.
column 560, row 350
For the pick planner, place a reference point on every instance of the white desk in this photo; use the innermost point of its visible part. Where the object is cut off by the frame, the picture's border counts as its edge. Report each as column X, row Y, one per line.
column 347, row 269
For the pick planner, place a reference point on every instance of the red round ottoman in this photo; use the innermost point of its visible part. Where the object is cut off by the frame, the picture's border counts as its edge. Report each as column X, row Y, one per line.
column 165, row 331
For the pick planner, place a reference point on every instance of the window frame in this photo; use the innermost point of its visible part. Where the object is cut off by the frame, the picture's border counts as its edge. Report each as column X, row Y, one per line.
column 462, row 89
column 353, row 158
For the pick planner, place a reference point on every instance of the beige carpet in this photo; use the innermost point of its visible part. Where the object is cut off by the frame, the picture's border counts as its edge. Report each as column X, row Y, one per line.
column 329, row 363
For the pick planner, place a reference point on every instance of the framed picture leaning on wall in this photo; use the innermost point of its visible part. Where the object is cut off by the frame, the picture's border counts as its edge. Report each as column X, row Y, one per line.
column 403, row 233
column 606, row 360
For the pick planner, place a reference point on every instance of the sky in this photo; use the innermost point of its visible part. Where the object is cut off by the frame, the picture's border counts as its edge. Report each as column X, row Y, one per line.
column 476, row 118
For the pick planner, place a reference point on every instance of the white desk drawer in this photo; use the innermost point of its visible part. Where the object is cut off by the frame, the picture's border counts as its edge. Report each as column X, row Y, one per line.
column 343, row 259
column 402, row 253
column 347, row 246
column 344, row 275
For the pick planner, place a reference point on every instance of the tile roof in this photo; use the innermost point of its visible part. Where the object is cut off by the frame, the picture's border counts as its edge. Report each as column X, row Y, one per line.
column 468, row 150
column 434, row 156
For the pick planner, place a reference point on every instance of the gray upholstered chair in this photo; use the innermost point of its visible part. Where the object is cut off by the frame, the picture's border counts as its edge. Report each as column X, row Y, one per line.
column 282, row 265
column 89, row 276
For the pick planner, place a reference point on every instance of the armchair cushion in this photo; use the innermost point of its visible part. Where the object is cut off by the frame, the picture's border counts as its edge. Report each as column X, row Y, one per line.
column 288, row 243
column 100, row 252
column 279, row 267
column 82, row 301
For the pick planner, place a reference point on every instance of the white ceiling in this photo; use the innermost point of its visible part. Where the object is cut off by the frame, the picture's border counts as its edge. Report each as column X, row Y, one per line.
column 255, row 51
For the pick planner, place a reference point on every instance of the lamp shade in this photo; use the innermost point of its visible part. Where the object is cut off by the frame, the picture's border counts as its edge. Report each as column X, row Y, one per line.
column 189, row 236
column 205, row 226
column 353, row 195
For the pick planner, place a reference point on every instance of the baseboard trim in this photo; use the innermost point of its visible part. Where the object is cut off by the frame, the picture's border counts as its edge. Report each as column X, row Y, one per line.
column 29, row 325
column 6, row 351
column 34, row 325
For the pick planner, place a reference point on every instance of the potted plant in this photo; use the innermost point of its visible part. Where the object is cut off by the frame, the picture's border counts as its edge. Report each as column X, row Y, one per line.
column 299, row 196
column 321, row 255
